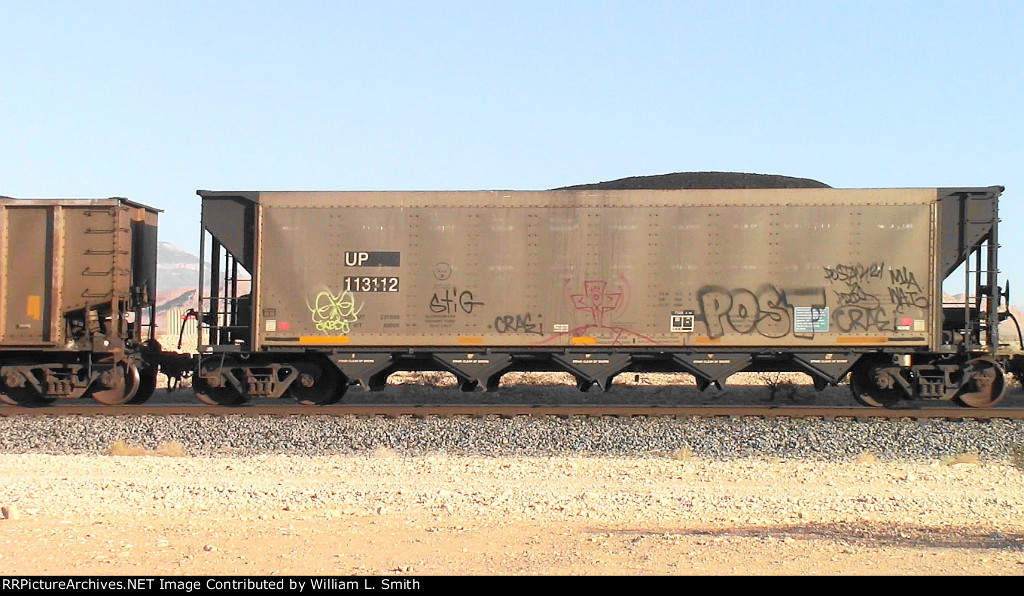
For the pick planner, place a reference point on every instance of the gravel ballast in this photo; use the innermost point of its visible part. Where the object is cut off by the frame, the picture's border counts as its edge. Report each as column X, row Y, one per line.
column 716, row 438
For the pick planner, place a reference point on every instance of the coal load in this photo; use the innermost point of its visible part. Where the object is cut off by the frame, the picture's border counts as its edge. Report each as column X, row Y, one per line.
column 701, row 180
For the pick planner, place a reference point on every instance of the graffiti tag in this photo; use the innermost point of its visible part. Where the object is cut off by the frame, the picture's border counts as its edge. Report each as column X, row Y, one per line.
column 905, row 291
column 768, row 312
column 453, row 301
column 854, row 272
column 859, row 318
column 522, row 323
column 859, row 306
column 597, row 300
column 334, row 312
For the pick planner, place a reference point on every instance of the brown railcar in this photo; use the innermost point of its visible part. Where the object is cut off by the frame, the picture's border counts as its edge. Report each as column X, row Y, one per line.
column 77, row 289
column 311, row 292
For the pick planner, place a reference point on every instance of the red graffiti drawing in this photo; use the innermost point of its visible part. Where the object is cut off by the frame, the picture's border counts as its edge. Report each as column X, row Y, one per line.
column 597, row 300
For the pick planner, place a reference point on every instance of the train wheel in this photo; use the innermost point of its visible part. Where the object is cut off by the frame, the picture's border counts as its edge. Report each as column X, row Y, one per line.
column 120, row 385
column 216, row 396
column 16, row 390
column 317, row 385
column 147, row 385
column 872, row 385
column 24, row 396
column 986, row 387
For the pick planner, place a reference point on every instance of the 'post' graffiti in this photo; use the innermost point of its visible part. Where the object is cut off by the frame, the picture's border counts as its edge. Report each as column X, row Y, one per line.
column 769, row 312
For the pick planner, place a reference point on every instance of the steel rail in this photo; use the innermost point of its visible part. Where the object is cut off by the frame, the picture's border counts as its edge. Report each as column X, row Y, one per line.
column 509, row 411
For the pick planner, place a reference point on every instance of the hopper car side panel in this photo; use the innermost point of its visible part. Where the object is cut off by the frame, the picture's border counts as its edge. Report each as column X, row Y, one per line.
column 626, row 274
column 27, row 291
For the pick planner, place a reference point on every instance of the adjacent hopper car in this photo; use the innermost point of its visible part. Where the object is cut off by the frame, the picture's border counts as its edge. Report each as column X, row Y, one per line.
column 77, row 282
column 308, row 294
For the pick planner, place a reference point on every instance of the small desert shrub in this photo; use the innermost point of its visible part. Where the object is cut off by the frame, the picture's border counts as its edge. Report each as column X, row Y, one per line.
column 172, row 449
column 867, row 458
column 779, row 385
column 381, row 452
column 1017, row 456
column 963, row 458
column 684, row 454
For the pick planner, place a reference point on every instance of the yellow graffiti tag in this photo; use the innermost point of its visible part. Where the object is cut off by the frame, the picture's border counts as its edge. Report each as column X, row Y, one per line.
column 334, row 312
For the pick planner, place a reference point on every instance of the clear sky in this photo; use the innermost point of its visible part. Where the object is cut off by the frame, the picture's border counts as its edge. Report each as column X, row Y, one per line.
column 153, row 100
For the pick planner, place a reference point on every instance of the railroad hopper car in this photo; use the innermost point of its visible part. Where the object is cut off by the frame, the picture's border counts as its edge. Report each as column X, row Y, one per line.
column 310, row 293
column 77, row 289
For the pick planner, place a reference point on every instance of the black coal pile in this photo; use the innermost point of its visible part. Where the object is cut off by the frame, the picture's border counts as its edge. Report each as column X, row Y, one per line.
column 701, row 180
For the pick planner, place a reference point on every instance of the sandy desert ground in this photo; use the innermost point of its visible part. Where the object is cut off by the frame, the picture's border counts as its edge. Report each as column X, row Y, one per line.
column 392, row 515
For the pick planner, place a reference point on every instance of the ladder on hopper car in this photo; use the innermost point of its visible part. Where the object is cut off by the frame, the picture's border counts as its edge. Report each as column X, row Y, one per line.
column 978, row 236
column 226, row 314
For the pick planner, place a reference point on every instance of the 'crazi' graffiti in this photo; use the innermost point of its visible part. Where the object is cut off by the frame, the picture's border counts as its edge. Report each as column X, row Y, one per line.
column 334, row 312
column 859, row 318
column 521, row 323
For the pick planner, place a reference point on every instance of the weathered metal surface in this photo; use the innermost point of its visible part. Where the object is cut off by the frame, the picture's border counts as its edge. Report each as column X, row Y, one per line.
column 705, row 270
column 62, row 257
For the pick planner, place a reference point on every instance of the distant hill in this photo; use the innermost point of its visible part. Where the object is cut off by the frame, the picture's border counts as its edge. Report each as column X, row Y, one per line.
column 176, row 268
column 179, row 298
column 177, row 273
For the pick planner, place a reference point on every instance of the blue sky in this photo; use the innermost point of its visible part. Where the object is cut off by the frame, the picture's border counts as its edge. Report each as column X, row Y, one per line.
column 153, row 100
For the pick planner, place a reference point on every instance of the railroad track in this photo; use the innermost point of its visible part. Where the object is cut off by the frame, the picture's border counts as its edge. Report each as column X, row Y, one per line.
column 471, row 410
